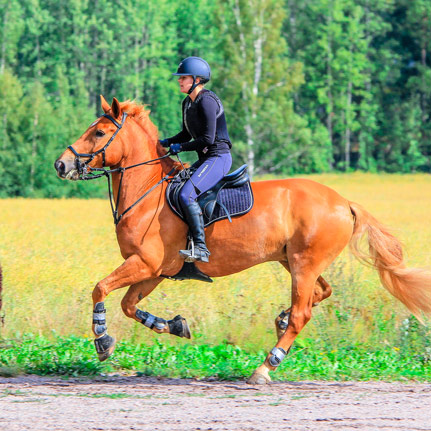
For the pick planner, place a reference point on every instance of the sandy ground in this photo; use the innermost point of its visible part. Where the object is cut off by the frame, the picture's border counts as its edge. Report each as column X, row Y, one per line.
column 143, row 403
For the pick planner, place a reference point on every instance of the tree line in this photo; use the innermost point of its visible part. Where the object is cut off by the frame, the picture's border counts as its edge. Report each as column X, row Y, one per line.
column 309, row 86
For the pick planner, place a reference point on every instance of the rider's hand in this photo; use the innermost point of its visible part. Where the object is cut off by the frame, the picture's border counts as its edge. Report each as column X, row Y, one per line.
column 175, row 149
column 164, row 143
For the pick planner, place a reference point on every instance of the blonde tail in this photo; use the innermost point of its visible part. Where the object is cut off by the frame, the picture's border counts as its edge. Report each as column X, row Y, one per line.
column 412, row 286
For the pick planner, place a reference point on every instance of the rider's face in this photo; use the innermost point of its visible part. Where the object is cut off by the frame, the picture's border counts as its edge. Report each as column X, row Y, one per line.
column 186, row 82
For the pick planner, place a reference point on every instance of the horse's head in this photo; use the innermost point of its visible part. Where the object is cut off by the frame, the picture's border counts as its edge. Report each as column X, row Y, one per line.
column 91, row 149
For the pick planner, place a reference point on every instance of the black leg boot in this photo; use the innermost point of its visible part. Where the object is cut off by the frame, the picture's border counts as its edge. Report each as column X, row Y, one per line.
column 195, row 220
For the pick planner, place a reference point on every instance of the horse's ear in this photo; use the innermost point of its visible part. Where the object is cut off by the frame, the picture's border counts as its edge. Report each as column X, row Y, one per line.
column 116, row 108
column 105, row 104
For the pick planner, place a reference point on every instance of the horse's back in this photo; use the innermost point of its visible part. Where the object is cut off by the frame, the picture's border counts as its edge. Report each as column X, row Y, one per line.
column 298, row 193
column 303, row 205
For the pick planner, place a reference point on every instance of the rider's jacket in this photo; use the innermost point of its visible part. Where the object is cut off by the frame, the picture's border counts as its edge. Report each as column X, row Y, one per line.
column 204, row 126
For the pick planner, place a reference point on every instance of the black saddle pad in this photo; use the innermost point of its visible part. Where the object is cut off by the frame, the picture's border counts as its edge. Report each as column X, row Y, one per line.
column 231, row 197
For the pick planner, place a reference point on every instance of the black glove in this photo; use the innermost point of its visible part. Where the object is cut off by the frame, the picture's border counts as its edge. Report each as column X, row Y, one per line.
column 164, row 142
column 175, row 149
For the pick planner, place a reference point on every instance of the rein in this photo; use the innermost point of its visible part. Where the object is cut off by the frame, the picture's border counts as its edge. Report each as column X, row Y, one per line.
column 87, row 172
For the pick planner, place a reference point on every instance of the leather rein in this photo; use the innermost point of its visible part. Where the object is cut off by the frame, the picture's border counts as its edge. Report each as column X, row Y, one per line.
column 87, row 172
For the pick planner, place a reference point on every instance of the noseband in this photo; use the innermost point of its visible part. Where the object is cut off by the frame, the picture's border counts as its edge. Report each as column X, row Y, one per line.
column 88, row 173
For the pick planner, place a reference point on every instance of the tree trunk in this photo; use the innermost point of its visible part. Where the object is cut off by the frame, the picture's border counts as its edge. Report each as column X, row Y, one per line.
column 136, row 46
column 347, row 147
column 103, row 74
column 34, row 150
column 249, row 113
column 5, row 137
column 329, row 82
column 422, row 96
column 330, row 107
column 144, row 62
column 258, row 62
column 38, row 71
column 3, row 45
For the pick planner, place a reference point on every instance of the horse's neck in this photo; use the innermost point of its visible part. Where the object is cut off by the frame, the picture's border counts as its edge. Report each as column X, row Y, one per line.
column 139, row 180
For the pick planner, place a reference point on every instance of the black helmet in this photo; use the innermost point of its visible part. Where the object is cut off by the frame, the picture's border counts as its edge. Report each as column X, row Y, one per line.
column 196, row 67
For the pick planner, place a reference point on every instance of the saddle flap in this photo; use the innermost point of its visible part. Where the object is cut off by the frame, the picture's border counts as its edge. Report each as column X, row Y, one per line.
column 231, row 196
column 208, row 207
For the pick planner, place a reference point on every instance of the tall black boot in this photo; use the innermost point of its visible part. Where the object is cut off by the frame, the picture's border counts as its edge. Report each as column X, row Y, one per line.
column 195, row 221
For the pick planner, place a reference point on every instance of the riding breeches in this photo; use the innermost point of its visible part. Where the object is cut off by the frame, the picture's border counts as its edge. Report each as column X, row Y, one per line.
column 207, row 175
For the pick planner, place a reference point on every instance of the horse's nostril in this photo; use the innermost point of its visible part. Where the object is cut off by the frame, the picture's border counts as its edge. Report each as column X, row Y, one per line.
column 60, row 167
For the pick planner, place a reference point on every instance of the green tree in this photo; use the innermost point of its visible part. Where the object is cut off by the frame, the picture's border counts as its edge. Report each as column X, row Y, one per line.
column 11, row 28
column 256, row 80
column 10, row 131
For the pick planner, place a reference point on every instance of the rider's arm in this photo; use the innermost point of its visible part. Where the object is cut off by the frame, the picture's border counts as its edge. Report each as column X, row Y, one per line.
column 208, row 120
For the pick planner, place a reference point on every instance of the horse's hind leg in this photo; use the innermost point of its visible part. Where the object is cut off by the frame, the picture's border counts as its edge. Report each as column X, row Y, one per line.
column 322, row 290
column 306, row 266
column 300, row 313
column 176, row 326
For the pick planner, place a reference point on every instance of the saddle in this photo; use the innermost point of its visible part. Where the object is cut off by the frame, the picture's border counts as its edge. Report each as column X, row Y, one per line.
column 232, row 196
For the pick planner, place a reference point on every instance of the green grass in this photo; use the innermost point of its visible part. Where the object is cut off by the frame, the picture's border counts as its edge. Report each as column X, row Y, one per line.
column 75, row 356
column 53, row 252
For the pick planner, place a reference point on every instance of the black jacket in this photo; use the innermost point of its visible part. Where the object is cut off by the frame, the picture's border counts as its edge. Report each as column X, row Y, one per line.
column 204, row 126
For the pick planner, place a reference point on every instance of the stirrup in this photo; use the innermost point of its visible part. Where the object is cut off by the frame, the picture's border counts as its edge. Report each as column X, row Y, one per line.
column 195, row 253
column 198, row 255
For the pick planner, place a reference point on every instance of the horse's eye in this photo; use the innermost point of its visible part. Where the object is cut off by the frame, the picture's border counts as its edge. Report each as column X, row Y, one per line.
column 100, row 133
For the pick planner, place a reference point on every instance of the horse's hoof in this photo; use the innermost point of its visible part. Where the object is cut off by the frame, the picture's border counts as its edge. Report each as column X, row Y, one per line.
column 259, row 379
column 178, row 326
column 105, row 345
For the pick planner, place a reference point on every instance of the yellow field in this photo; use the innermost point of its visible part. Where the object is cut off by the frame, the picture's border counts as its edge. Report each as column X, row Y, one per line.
column 54, row 251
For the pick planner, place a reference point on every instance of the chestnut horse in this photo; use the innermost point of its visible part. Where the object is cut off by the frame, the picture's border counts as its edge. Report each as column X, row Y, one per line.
column 300, row 223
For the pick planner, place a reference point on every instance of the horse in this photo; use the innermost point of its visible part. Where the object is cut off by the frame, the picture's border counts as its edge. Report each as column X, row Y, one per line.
column 300, row 223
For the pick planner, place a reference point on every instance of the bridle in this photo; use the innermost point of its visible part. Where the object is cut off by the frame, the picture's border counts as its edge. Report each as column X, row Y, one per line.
column 87, row 172
column 82, row 167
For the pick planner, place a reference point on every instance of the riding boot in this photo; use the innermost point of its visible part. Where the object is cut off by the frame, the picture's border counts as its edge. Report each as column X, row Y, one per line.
column 195, row 221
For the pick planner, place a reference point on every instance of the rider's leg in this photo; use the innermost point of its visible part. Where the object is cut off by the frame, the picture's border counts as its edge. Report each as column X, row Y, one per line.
column 195, row 221
column 206, row 176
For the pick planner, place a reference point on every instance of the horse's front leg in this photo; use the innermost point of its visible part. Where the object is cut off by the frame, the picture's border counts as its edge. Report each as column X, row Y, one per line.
column 176, row 326
column 132, row 271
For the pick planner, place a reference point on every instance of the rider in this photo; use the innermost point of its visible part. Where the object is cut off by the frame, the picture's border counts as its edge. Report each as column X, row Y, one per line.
column 204, row 131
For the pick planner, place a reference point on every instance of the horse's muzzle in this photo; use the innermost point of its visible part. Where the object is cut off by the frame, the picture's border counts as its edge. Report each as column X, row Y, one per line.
column 66, row 169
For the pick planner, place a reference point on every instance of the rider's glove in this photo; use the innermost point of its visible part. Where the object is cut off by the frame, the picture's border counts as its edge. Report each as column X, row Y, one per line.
column 175, row 149
column 164, row 142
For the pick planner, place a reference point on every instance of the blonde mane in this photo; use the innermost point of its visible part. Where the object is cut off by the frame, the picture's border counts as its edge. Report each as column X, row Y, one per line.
column 142, row 117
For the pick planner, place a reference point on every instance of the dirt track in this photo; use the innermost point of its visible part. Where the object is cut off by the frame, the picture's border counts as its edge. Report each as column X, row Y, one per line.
column 142, row 403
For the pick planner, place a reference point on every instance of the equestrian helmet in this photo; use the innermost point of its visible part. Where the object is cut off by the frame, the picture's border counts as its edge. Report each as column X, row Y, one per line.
column 196, row 67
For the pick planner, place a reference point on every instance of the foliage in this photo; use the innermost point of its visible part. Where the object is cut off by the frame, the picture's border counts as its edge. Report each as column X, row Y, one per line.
column 75, row 356
column 308, row 86
column 54, row 251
